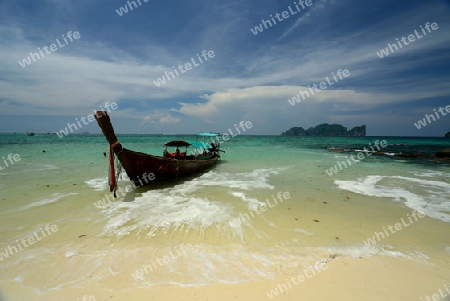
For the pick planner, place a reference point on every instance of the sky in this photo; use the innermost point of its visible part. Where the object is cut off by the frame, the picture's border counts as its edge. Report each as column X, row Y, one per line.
column 119, row 56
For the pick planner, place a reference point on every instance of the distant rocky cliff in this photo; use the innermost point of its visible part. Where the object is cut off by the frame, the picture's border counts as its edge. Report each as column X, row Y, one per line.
column 447, row 135
column 327, row 130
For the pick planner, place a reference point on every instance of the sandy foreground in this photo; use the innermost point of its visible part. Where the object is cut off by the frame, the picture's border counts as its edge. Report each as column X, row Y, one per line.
column 375, row 278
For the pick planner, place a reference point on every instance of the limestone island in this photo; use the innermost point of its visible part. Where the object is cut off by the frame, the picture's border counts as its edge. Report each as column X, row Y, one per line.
column 327, row 130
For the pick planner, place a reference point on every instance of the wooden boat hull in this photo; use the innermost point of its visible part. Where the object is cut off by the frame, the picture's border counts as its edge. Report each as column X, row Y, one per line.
column 143, row 168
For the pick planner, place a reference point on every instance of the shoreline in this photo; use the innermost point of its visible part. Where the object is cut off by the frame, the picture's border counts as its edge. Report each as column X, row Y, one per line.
column 374, row 278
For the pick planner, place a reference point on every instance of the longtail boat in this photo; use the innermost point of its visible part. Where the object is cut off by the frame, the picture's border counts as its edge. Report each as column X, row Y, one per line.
column 143, row 168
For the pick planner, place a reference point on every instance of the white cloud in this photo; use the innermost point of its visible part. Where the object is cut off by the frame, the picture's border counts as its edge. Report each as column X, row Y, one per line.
column 245, row 81
column 274, row 100
column 147, row 119
column 169, row 119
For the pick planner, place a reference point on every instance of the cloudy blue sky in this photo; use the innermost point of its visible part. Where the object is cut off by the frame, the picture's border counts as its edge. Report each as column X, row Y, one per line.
column 251, row 77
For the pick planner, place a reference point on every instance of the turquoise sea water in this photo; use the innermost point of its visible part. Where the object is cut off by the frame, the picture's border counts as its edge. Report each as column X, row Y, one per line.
column 324, row 217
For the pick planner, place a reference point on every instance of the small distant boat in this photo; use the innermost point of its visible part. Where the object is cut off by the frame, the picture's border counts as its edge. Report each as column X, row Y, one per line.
column 30, row 134
column 143, row 168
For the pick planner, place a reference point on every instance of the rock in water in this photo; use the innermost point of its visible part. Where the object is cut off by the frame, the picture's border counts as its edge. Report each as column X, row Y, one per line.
column 445, row 153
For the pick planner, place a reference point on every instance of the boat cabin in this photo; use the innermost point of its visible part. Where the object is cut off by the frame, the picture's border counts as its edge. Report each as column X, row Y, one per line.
column 201, row 150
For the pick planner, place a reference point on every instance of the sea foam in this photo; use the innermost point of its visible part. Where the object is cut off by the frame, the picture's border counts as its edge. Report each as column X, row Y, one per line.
column 48, row 200
column 186, row 208
column 426, row 196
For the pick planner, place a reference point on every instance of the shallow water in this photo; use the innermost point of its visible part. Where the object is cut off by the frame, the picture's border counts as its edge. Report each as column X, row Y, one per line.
column 211, row 229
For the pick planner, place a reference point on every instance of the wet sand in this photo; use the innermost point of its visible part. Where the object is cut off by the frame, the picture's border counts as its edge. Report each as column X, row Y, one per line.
column 375, row 278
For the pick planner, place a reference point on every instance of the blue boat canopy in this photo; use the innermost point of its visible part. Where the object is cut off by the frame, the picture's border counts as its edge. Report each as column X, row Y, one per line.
column 200, row 144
